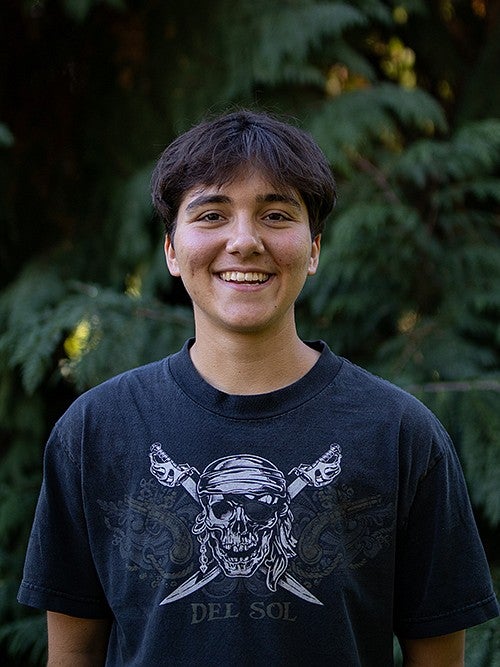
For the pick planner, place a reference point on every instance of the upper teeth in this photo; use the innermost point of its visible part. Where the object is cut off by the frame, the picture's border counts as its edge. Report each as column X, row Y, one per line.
column 240, row 277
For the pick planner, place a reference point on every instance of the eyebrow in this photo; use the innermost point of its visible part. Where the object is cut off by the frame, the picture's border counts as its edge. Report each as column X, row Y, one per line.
column 208, row 199
column 278, row 198
column 202, row 200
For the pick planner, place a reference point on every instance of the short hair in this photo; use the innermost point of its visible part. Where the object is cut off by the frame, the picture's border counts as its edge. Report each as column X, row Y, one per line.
column 215, row 152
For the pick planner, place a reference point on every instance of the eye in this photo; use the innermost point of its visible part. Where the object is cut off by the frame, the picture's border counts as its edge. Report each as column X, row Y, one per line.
column 279, row 218
column 222, row 509
column 258, row 511
column 211, row 216
column 276, row 216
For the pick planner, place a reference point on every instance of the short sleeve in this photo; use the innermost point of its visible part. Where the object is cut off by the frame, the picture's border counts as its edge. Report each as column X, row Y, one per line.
column 442, row 580
column 59, row 573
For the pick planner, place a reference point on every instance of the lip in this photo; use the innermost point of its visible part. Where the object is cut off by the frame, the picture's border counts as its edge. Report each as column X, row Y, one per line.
column 244, row 279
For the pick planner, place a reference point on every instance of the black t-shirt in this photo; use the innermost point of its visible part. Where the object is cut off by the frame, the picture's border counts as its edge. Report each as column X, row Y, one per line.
column 302, row 526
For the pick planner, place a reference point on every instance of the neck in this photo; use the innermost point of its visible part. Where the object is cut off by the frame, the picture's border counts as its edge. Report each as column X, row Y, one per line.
column 252, row 364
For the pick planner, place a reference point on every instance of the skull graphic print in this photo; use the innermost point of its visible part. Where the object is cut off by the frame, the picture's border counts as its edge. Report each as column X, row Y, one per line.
column 245, row 522
column 246, row 518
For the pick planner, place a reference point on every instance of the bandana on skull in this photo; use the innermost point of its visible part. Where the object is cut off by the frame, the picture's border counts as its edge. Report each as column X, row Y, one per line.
column 244, row 500
column 244, row 474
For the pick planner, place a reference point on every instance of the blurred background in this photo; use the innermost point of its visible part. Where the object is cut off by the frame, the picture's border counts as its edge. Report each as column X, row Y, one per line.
column 404, row 98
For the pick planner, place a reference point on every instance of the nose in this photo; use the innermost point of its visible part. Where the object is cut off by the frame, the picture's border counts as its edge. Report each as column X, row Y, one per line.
column 239, row 521
column 244, row 238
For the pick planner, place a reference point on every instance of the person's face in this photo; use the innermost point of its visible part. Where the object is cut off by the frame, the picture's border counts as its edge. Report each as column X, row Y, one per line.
column 243, row 251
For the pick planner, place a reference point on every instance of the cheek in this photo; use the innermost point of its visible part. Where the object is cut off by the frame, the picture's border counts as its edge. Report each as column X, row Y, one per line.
column 192, row 258
column 295, row 257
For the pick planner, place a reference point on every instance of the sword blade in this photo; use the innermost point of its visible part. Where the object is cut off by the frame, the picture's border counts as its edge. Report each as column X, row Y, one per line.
column 296, row 487
column 196, row 581
column 290, row 584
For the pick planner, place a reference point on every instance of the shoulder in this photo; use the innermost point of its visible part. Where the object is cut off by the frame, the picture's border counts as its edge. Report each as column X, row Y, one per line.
column 113, row 412
column 118, row 397
column 420, row 433
column 145, row 377
column 380, row 393
column 374, row 399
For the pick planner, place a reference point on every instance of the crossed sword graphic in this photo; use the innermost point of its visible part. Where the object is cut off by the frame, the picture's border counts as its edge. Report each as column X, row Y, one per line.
column 171, row 474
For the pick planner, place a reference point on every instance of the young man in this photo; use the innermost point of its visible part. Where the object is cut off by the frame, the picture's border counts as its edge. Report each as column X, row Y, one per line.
column 252, row 499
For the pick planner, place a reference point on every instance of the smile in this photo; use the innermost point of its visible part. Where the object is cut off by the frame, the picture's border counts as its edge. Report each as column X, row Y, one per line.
column 240, row 277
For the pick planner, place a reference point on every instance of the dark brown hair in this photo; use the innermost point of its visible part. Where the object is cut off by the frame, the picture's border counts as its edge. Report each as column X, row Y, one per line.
column 216, row 151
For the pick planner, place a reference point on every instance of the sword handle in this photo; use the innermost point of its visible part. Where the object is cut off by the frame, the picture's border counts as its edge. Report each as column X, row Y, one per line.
column 166, row 471
column 323, row 471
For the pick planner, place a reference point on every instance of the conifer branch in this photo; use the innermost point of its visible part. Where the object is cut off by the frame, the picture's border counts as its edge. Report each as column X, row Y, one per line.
column 378, row 176
column 455, row 386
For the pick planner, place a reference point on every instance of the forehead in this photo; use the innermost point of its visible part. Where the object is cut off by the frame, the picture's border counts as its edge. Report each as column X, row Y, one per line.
column 254, row 186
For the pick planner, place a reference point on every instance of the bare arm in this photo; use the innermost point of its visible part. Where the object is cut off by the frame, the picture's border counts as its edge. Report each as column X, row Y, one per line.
column 76, row 642
column 444, row 651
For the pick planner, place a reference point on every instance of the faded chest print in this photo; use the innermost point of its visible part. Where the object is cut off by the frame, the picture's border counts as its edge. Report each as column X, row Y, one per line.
column 243, row 522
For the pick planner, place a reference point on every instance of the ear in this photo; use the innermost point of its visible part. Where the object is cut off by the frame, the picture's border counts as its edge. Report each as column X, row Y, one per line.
column 314, row 258
column 171, row 257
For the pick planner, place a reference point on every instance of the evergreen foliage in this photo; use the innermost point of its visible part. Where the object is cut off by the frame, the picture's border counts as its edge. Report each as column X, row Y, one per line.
column 409, row 281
